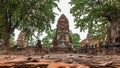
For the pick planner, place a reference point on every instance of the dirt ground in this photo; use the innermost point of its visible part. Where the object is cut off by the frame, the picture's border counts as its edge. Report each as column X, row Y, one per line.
column 30, row 58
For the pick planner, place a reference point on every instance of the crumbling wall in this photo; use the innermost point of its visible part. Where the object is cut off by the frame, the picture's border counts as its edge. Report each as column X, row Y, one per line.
column 62, row 38
column 22, row 40
column 113, row 31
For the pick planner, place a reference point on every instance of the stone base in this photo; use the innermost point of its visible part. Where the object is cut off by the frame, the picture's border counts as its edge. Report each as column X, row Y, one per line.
column 61, row 49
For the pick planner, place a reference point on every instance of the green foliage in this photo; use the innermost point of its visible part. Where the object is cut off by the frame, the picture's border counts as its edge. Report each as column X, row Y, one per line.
column 75, row 39
column 12, row 42
column 41, row 18
column 32, row 42
column 47, row 40
column 27, row 15
column 95, row 15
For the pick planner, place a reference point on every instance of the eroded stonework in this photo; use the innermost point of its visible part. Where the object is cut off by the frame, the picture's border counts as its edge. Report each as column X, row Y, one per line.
column 90, row 42
column 113, row 31
column 22, row 40
column 62, row 38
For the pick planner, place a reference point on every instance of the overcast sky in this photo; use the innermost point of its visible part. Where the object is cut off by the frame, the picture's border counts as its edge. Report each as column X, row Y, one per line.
column 65, row 9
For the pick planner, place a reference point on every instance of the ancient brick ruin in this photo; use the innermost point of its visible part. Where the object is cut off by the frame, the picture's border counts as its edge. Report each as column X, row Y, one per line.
column 89, row 41
column 113, row 31
column 22, row 41
column 110, row 46
column 62, row 38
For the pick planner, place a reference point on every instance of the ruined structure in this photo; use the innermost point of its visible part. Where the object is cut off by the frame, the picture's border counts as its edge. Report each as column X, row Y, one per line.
column 62, row 38
column 22, row 41
column 113, row 31
column 111, row 46
column 90, row 42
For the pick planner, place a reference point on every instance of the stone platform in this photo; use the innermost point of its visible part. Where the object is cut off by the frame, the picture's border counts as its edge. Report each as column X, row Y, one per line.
column 58, row 49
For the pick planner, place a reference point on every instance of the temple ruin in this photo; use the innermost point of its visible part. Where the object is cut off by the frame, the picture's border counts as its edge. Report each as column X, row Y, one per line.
column 62, row 38
column 22, row 41
column 113, row 31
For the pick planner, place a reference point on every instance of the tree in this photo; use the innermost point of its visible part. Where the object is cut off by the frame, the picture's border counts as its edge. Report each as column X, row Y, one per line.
column 27, row 15
column 47, row 40
column 95, row 15
column 75, row 39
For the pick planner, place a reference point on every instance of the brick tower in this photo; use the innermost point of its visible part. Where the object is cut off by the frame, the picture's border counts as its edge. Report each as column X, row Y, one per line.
column 62, row 38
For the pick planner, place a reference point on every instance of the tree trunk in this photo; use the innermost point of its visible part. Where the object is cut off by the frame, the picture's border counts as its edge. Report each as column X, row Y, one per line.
column 7, row 27
column 7, row 40
column 6, row 30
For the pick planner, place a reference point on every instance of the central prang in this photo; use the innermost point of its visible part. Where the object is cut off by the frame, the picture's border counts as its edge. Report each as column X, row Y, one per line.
column 62, row 38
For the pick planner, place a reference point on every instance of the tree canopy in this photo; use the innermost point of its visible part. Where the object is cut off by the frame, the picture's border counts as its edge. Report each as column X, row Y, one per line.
column 27, row 15
column 47, row 40
column 95, row 15
column 75, row 39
